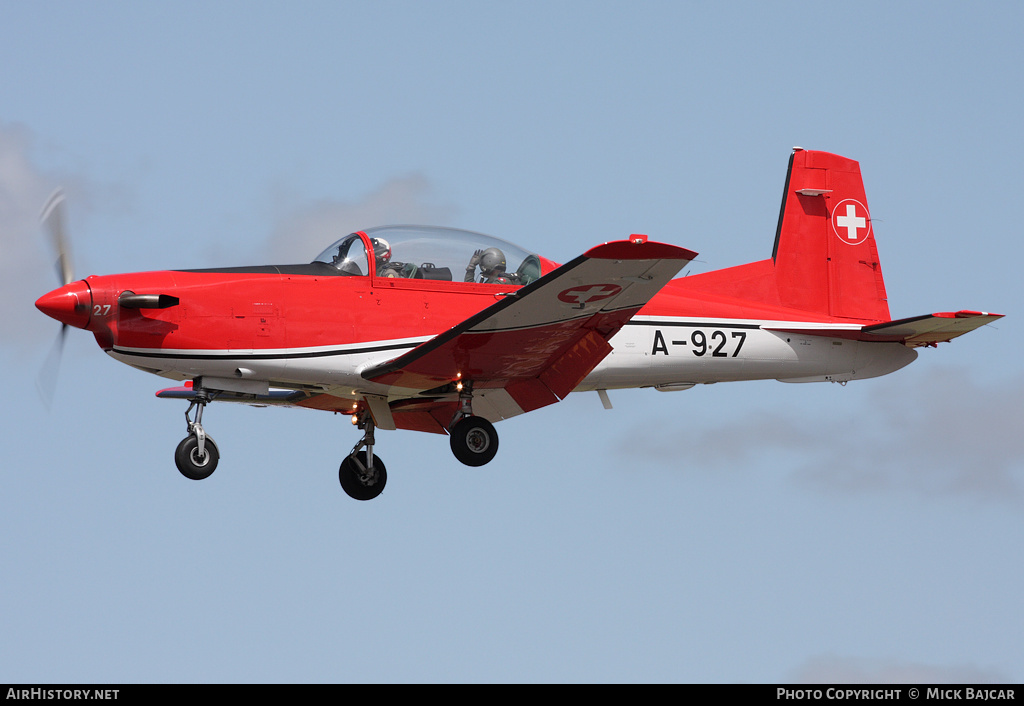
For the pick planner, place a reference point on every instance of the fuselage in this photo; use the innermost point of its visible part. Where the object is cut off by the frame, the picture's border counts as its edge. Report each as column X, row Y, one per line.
column 311, row 331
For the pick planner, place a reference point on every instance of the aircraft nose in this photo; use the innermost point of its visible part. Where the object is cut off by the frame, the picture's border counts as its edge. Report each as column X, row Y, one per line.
column 70, row 304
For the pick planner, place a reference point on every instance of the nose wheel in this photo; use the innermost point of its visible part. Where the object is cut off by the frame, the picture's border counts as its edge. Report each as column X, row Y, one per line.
column 193, row 463
column 197, row 454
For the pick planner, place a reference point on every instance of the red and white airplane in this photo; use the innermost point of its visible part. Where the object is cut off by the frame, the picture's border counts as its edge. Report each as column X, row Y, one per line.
column 385, row 327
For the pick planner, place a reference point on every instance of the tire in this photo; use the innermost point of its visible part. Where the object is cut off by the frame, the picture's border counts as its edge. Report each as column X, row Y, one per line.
column 186, row 458
column 349, row 475
column 474, row 441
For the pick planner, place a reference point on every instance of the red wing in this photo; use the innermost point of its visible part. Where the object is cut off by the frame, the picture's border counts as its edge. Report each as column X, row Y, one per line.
column 539, row 342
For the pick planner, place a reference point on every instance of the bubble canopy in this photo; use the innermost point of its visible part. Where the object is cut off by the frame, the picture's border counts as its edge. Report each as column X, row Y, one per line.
column 429, row 252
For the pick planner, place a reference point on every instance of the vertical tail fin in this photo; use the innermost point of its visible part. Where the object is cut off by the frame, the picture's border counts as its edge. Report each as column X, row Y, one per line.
column 825, row 256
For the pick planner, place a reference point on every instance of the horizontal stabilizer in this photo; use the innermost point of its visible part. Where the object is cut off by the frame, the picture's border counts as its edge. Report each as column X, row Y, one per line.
column 930, row 329
column 927, row 330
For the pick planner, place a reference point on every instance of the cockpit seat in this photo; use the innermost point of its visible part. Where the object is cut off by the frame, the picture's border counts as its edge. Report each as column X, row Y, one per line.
column 428, row 271
column 530, row 270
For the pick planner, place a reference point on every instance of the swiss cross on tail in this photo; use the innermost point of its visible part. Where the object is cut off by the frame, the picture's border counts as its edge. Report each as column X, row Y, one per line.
column 851, row 221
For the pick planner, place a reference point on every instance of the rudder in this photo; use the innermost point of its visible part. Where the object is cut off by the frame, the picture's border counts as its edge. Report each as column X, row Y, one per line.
column 825, row 256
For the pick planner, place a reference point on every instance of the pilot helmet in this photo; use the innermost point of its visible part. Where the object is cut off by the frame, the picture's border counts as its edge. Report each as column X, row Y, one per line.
column 381, row 249
column 492, row 262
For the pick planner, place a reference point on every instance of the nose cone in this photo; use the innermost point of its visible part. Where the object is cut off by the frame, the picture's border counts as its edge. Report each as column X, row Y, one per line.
column 70, row 304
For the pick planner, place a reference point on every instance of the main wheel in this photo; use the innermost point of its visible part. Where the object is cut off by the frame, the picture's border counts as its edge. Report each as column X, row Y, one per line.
column 190, row 463
column 357, row 482
column 474, row 441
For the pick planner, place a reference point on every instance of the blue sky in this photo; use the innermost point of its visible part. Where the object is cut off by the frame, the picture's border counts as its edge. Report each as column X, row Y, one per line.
column 731, row 533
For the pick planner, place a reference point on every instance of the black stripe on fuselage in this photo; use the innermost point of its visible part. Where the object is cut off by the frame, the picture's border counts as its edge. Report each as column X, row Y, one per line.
column 693, row 324
column 181, row 355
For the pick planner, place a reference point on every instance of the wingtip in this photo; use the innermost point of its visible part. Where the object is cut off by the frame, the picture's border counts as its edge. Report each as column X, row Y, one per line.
column 638, row 247
column 966, row 314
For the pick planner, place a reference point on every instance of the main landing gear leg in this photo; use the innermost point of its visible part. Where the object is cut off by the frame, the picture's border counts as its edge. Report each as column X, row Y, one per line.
column 473, row 439
column 197, row 454
column 362, row 475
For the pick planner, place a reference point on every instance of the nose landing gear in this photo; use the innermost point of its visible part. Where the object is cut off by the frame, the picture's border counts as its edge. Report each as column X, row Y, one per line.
column 197, row 454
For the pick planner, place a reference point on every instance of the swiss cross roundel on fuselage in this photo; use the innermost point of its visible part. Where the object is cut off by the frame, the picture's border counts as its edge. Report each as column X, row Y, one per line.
column 851, row 221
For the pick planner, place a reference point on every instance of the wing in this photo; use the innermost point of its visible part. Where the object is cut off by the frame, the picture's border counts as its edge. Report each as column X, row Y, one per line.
column 540, row 341
column 928, row 330
column 526, row 351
